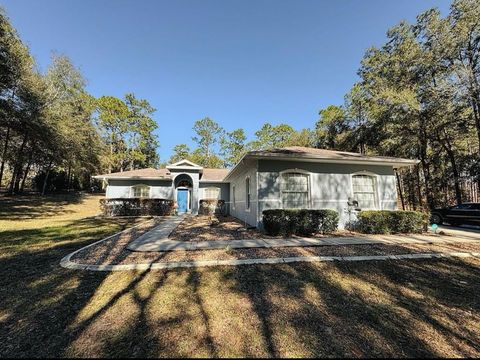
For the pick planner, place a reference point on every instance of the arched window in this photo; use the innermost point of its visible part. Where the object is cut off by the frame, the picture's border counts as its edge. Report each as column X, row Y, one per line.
column 294, row 187
column 365, row 191
column 140, row 191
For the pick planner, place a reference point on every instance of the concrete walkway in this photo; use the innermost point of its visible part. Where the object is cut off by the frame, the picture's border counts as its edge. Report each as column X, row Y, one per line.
column 157, row 240
column 158, row 234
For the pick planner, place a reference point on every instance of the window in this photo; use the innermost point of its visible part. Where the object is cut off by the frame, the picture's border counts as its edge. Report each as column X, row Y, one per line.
column 140, row 191
column 247, row 193
column 211, row 193
column 364, row 191
column 294, row 189
column 233, row 195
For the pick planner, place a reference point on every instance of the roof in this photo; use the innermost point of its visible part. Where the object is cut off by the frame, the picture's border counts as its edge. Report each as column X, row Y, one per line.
column 214, row 174
column 151, row 173
column 300, row 153
column 139, row 173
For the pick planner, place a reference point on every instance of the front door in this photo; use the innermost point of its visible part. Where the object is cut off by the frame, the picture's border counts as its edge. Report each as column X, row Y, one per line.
column 182, row 200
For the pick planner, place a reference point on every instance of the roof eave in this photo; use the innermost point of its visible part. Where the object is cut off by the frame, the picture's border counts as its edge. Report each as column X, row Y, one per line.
column 101, row 177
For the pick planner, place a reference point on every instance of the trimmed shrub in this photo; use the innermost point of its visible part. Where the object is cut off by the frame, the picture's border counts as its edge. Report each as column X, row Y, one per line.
column 391, row 222
column 286, row 222
column 209, row 207
column 136, row 207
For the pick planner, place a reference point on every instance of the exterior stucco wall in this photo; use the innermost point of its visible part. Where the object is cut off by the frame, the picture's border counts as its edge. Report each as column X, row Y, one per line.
column 159, row 189
column 249, row 169
column 330, row 185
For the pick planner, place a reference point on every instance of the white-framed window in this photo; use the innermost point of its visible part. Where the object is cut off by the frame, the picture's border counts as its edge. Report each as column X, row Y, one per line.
column 294, row 187
column 233, row 196
column 365, row 191
column 140, row 191
column 211, row 193
column 247, row 193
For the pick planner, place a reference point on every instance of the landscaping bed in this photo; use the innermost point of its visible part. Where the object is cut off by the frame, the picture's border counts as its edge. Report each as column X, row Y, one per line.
column 114, row 252
column 199, row 228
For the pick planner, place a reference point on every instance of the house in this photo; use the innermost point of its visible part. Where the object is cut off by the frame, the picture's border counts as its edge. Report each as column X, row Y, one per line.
column 291, row 177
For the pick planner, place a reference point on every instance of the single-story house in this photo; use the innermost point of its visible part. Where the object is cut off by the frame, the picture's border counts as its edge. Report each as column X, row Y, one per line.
column 291, row 177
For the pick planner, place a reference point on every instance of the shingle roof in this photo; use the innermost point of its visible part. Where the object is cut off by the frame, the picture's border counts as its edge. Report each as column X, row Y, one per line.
column 207, row 175
column 300, row 151
column 214, row 174
column 141, row 173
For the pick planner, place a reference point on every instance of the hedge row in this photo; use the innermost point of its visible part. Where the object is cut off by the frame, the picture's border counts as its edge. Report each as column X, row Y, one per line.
column 300, row 222
column 136, row 207
column 389, row 221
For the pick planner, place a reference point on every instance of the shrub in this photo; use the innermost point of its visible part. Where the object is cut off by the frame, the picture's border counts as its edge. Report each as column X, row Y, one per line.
column 209, row 207
column 300, row 222
column 136, row 207
column 389, row 221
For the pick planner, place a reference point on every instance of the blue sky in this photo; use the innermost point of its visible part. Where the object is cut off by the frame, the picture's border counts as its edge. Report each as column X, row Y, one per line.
column 242, row 63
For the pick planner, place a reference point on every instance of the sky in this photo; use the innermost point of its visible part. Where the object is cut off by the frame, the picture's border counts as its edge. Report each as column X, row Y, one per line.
column 240, row 62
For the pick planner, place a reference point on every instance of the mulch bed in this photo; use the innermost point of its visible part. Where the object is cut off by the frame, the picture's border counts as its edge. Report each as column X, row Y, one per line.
column 200, row 228
column 114, row 251
column 212, row 228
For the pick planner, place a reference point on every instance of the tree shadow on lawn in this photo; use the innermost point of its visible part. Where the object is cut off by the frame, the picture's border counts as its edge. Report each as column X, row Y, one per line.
column 24, row 207
column 39, row 298
column 87, row 229
column 364, row 309
column 395, row 308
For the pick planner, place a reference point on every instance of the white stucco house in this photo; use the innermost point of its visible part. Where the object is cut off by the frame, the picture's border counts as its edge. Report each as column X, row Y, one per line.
column 291, row 177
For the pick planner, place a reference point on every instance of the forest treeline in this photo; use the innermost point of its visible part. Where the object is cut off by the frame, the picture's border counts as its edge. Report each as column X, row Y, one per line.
column 417, row 96
column 55, row 134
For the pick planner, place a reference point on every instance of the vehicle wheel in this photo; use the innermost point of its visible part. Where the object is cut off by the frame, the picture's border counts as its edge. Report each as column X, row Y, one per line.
column 436, row 219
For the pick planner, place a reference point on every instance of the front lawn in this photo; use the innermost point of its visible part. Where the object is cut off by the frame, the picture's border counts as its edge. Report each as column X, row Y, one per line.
column 395, row 308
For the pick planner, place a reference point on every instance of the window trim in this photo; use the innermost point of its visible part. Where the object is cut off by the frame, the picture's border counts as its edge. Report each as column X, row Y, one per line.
column 233, row 197
column 376, row 192
column 309, row 184
column 132, row 191
column 248, row 194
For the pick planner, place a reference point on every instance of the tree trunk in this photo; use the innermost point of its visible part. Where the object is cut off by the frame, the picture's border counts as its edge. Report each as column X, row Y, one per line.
column 17, row 170
column 27, row 170
column 456, row 176
column 47, row 173
column 4, row 154
column 68, row 177
column 400, row 192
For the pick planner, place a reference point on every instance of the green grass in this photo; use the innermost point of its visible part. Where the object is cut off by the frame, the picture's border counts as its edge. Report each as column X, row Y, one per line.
column 410, row 308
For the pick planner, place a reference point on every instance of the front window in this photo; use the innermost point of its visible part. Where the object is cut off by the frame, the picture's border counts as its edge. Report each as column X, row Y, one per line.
column 233, row 191
column 294, row 189
column 141, row 191
column 212, row 193
column 364, row 191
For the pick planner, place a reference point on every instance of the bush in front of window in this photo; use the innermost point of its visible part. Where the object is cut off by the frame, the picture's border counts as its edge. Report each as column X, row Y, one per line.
column 209, row 207
column 391, row 222
column 303, row 222
column 136, row 207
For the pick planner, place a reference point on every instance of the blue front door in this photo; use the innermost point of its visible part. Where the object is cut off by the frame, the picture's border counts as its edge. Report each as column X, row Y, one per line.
column 182, row 200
